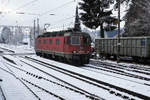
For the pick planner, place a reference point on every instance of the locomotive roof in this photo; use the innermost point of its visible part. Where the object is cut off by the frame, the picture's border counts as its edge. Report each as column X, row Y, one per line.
column 62, row 33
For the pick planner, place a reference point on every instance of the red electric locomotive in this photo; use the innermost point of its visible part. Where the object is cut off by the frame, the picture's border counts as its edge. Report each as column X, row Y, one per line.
column 68, row 45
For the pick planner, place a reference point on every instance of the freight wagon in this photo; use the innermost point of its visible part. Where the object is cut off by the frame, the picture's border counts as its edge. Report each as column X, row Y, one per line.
column 135, row 47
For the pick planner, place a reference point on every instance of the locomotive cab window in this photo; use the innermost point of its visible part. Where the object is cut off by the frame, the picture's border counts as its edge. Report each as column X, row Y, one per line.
column 50, row 41
column 68, row 40
column 44, row 41
column 75, row 40
column 57, row 41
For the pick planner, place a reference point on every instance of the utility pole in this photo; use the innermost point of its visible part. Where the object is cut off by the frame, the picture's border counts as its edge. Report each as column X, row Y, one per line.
column 118, row 40
column 63, row 26
column 30, row 36
column 34, row 33
column 16, row 31
column 38, row 27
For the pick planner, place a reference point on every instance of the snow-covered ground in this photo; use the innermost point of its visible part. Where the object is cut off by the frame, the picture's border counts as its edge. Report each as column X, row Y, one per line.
column 14, row 89
column 19, row 48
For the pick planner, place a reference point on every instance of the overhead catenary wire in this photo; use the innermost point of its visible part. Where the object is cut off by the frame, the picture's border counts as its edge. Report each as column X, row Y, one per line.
column 62, row 20
column 26, row 4
column 61, row 6
column 29, row 3
column 62, row 26
column 4, row 2
column 7, row 2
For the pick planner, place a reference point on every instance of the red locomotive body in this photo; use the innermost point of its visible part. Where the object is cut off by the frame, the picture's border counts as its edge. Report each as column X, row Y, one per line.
column 67, row 45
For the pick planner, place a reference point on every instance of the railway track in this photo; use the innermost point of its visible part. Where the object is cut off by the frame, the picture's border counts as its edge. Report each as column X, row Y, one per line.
column 70, row 87
column 12, row 73
column 117, row 71
column 5, row 51
column 131, row 67
column 77, row 90
column 2, row 95
column 115, row 74
column 8, row 50
column 74, row 88
column 92, row 81
column 24, row 82
column 114, row 68
column 45, row 90
column 115, row 90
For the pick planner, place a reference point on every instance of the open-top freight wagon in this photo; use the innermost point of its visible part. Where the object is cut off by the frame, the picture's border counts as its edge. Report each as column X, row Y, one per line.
column 136, row 47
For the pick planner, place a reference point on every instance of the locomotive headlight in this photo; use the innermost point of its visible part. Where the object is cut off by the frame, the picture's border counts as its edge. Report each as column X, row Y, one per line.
column 74, row 51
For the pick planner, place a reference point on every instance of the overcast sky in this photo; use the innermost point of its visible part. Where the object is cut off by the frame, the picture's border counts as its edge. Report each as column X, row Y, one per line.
column 58, row 13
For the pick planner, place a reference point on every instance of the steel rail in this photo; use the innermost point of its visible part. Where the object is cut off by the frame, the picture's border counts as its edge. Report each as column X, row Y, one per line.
column 2, row 92
column 90, row 95
column 85, row 78
column 40, row 77
column 21, row 82
column 107, row 70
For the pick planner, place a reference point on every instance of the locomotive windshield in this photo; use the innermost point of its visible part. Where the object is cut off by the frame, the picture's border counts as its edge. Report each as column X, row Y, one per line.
column 79, row 39
column 75, row 40
column 86, row 40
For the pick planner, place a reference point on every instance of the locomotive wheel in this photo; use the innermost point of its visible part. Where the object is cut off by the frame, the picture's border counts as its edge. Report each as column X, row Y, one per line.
column 45, row 55
column 80, row 61
column 87, row 61
column 77, row 62
column 37, row 53
column 61, row 59
column 50, row 56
